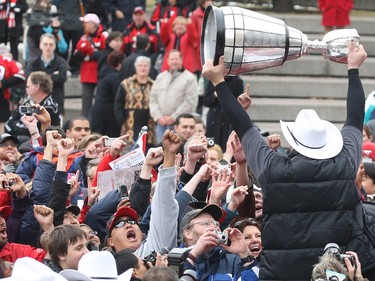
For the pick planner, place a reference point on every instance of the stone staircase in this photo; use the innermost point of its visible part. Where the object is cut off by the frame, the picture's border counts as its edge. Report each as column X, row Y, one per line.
column 308, row 82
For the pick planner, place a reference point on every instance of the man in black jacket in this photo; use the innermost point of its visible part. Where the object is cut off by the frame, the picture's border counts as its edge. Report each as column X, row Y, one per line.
column 310, row 197
column 55, row 66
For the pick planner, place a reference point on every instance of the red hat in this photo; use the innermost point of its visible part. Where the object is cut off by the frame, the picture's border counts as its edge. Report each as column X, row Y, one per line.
column 138, row 10
column 368, row 150
column 5, row 211
column 122, row 212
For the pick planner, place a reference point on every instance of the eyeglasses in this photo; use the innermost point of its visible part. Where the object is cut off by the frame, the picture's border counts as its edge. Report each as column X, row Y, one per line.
column 206, row 223
column 250, row 221
column 121, row 223
column 92, row 234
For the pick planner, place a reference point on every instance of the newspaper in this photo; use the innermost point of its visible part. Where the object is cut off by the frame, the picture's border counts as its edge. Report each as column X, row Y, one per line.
column 134, row 158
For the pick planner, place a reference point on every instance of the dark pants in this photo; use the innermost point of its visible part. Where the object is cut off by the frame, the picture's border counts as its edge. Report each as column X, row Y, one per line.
column 72, row 36
column 87, row 98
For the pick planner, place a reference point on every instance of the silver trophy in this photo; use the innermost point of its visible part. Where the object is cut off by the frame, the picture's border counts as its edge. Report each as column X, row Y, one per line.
column 252, row 41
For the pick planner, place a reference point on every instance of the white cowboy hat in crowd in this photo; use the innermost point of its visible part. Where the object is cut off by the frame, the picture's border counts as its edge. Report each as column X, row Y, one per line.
column 311, row 136
column 96, row 266
column 32, row 270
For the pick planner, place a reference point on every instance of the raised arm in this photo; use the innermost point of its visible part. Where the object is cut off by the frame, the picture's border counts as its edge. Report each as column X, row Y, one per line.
column 237, row 116
column 355, row 102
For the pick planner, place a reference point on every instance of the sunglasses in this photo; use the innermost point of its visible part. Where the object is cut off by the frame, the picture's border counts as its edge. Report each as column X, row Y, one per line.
column 121, row 223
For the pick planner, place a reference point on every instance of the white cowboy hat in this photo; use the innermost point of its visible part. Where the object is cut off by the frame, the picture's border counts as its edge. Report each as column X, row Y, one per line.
column 94, row 266
column 32, row 270
column 311, row 136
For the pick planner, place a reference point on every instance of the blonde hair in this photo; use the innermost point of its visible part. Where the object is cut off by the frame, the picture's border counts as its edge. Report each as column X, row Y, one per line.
column 327, row 261
column 218, row 149
column 179, row 19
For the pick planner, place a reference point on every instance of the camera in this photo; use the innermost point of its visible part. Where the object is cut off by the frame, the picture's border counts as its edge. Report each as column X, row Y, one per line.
column 28, row 110
column 334, row 276
column 152, row 256
column 41, row 17
column 334, row 249
column 222, row 238
column 225, row 168
column 199, row 164
column 109, row 141
column 176, row 258
column 92, row 247
column 8, row 185
column 210, row 142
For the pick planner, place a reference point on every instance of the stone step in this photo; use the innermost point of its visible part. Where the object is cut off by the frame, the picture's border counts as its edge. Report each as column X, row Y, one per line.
column 311, row 23
column 301, row 87
column 272, row 109
column 317, row 66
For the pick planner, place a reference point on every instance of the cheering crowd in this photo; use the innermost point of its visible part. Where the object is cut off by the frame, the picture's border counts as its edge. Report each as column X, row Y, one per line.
column 212, row 199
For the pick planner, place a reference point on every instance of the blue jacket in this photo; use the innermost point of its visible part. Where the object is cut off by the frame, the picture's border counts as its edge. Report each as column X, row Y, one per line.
column 28, row 166
column 222, row 266
column 39, row 195
column 43, row 193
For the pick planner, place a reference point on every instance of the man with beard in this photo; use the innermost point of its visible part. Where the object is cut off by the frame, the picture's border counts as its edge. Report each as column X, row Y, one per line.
column 9, row 146
column 211, row 258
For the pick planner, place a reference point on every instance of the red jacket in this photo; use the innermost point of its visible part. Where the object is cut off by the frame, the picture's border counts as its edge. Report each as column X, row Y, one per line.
column 13, row 251
column 335, row 12
column 189, row 45
column 131, row 33
column 88, row 47
column 8, row 71
column 167, row 12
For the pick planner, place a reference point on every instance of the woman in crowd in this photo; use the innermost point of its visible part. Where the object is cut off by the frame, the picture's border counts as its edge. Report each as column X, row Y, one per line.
column 251, row 230
column 132, row 102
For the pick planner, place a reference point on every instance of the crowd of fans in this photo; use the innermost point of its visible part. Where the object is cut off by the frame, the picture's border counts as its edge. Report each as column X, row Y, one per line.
column 210, row 200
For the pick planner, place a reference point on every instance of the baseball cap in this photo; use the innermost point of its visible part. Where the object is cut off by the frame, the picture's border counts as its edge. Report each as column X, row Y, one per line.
column 74, row 209
column 138, row 10
column 5, row 211
column 90, row 18
column 6, row 136
column 214, row 210
column 368, row 152
column 122, row 212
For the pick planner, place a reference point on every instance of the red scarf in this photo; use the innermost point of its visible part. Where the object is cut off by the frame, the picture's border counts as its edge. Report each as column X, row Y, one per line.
column 12, row 14
column 7, row 13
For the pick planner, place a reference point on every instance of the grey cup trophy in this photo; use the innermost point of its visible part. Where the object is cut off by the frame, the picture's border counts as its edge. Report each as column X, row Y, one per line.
column 251, row 41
